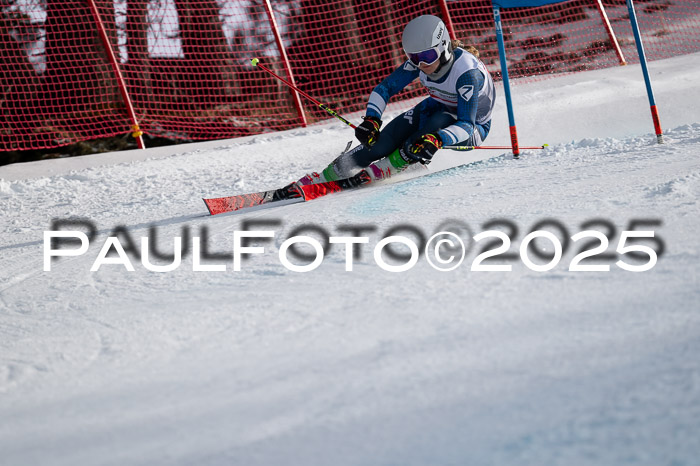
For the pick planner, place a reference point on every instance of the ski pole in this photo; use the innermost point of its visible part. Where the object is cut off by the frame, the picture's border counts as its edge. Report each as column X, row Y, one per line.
column 465, row 148
column 256, row 62
column 331, row 112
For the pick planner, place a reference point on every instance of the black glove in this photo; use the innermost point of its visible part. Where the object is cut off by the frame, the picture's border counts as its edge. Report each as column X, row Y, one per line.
column 368, row 131
column 422, row 150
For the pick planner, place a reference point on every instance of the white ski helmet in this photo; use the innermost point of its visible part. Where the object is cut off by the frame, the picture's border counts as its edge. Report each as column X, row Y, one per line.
column 425, row 39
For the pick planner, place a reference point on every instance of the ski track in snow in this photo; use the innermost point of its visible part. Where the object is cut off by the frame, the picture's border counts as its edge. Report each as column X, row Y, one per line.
column 268, row 366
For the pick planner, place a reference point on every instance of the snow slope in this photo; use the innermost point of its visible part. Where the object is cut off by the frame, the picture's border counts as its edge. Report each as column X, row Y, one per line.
column 266, row 366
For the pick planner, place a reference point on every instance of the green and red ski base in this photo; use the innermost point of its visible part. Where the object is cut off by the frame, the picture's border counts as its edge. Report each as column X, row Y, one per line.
column 290, row 192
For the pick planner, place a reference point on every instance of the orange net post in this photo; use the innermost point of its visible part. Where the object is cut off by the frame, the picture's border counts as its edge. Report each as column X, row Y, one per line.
column 136, row 132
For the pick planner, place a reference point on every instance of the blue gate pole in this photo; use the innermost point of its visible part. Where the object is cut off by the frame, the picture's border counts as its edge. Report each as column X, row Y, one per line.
column 504, row 75
column 645, row 71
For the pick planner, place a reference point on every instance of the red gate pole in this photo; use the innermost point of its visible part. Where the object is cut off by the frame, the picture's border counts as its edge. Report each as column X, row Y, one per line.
column 285, row 59
column 611, row 33
column 136, row 131
column 447, row 18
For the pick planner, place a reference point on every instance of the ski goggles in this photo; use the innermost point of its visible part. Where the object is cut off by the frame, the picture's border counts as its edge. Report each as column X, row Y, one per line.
column 428, row 57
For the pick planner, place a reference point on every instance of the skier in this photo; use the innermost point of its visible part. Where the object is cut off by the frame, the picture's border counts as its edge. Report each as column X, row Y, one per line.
column 458, row 110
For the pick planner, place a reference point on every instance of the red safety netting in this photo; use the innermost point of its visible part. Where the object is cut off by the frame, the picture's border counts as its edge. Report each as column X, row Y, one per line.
column 572, row 36
column 186, row 63
column 57, row 87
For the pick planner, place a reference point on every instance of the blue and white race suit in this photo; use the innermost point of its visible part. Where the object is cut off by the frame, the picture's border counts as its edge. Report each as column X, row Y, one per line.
column 459, row 108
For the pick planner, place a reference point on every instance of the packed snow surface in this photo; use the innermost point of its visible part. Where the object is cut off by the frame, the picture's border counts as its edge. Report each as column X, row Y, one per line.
column 268, row 366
